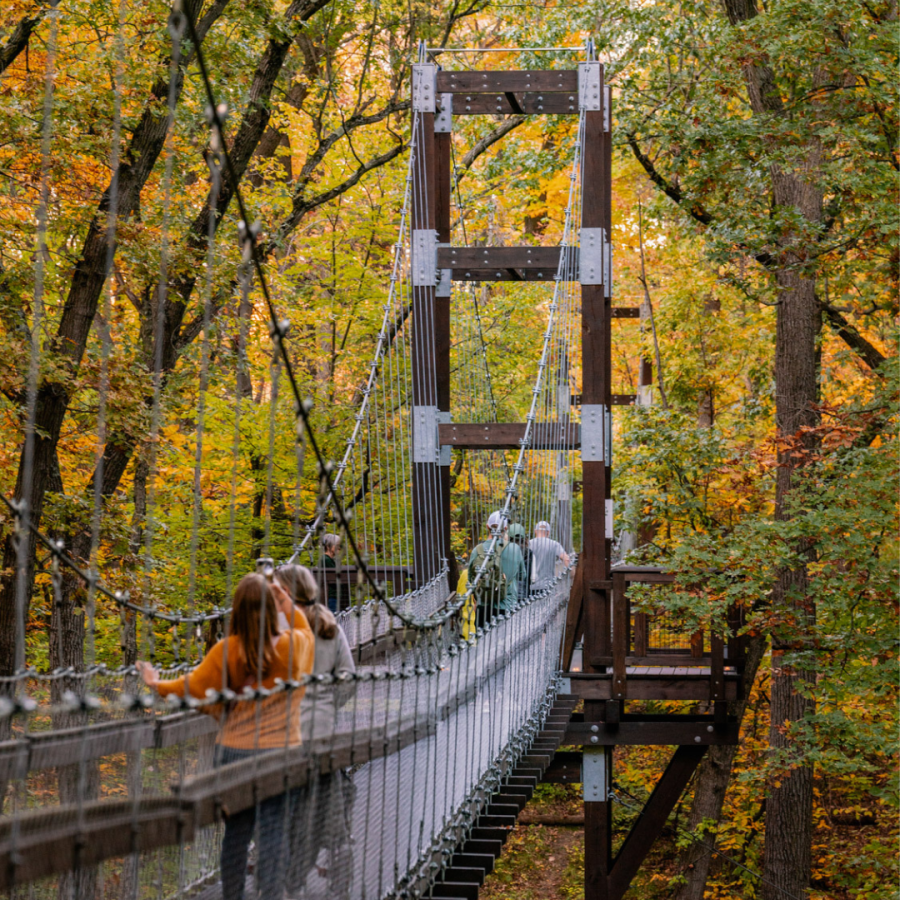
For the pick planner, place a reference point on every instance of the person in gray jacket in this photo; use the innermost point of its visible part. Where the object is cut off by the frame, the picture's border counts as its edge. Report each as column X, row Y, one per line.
column 323, row 818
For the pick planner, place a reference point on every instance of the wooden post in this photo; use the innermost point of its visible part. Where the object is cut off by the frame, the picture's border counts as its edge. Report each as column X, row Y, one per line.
column 428, row 506
column 596, row 401
column 443, row 192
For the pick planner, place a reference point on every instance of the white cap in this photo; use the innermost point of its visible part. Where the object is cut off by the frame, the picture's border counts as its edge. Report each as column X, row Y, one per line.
column 542, row 526
column 497, row 520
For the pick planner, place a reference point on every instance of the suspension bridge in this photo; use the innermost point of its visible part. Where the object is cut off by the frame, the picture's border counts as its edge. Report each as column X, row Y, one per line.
column 446, row 727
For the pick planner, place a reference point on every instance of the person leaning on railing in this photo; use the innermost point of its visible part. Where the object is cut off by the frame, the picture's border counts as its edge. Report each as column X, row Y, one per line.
column 257, row 652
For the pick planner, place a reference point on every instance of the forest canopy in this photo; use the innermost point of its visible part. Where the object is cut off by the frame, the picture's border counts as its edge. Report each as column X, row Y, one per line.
column 755, row 189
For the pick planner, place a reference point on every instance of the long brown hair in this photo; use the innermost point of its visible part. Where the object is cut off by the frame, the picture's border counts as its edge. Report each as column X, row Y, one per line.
column 254, row 622
column 299, row 582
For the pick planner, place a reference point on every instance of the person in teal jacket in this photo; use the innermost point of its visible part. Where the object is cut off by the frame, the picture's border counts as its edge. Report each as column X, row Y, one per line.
column 511, row 563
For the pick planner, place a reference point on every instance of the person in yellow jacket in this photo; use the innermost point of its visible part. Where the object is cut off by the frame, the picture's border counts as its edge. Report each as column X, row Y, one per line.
column 255, row 654
column 467, row 614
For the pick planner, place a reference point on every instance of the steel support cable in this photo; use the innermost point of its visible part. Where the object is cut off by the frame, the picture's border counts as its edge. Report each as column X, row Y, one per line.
column 35, row 350
column 173, row 703
column 569, row 240
column 250, row 252
column 383, row 342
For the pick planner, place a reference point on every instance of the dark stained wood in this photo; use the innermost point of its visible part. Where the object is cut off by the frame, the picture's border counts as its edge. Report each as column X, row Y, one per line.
column 562, row 80
column 625, row 312
column 640, row 634
column 574, row 616
column 443, row 197
column 654, row 687
column 717, row 667
column 657, row 733
column 697, row 644
column 598, row 829
column 508, row 435
column 565, row 768
column 489, row 275
column 623, row 399
column 596, row 375
column 653, row 818
column 530, row 104
column 620, row 635
column 502, row 257
column 428, row 506
column 653, row 658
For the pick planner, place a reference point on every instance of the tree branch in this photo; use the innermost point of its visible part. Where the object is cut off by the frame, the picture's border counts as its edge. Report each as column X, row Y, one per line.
column 870, row 355
column 486, row 142
column 672, row 191
column 18, row 40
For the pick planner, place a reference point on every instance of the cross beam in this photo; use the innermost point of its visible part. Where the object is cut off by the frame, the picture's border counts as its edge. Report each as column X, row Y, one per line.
column 509, row 436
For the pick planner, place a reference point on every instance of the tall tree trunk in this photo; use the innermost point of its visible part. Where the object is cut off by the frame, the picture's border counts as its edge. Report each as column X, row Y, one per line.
column 70, row 342
column 710, row 787
column 788, row 853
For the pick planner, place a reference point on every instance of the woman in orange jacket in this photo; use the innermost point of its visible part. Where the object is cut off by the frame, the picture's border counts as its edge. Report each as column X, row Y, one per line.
column 255, row 653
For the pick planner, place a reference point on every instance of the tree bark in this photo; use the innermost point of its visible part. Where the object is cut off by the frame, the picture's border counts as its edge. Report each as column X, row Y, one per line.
column 710, row 787
column 787, row 865
column 18, row 40
column 71, row 337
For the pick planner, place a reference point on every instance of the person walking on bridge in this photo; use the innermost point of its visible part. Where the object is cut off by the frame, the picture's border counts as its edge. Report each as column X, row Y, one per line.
column 498, row 590
column 323, row 815
column 257, row 653
column 519, row 537
column 545, row 552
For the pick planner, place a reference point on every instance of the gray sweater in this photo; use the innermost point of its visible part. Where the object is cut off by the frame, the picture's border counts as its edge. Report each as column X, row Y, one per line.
column 318, row 712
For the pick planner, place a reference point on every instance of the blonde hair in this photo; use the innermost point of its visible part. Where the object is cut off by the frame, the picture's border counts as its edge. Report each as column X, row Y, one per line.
column 300, row 583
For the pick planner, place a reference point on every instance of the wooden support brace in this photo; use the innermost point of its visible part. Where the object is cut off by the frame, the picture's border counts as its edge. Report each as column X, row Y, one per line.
column 509, row 435
column 620, row 636
column 478, row 82
column 653, row 818
column 574, row 616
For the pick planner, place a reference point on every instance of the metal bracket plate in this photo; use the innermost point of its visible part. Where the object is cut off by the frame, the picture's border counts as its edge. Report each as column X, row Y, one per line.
column 609, row 519
column 594, row 433
column 424, row 257
column 445, row 280
column 565, row 685
column 591, row 256
column 424, row 87
column 425, row 419
column 589, row 86
column 443, row 118
column 607, row 267
column 446, row 451
column 595, row 774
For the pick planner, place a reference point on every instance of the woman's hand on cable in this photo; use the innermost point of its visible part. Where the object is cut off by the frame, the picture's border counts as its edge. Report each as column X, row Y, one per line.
column 148, row 673
column 283, row 600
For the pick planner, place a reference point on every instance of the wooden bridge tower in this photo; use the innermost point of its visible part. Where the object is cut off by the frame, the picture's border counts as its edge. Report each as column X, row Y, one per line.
column 626, row 657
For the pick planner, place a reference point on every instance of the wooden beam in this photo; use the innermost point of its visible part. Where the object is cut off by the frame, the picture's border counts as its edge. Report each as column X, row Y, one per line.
column 653, row 687
column 427, row 504
column 653, row 818
column 477, row 82
column 528, row 104
column 565, row 768
column 507, row 274
column 657, row 733
column 503, row 257
column 508, row 436
column 574, row 616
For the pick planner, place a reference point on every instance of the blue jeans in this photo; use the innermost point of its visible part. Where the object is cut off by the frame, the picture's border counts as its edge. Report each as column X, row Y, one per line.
column 271, row 839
